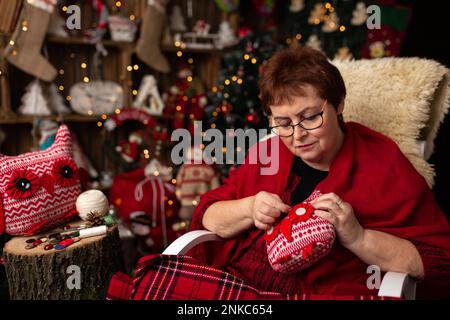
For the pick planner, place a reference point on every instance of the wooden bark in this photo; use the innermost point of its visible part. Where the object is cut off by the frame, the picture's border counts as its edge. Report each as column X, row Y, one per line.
column 39, row 274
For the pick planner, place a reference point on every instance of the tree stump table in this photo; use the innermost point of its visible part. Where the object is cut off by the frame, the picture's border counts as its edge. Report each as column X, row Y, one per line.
column 51, row 275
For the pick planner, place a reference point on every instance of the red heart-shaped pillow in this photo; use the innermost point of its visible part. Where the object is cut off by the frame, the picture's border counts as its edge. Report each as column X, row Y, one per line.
column 299, row 240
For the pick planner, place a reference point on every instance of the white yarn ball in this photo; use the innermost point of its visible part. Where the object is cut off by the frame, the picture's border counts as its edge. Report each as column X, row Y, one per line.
column 89, row 201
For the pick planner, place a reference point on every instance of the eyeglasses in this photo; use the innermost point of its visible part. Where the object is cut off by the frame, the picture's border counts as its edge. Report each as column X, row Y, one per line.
column 310, row 123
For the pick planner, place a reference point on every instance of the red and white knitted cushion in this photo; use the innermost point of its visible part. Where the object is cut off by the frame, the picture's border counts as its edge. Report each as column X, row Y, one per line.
column 300, row 239
column 38, row 190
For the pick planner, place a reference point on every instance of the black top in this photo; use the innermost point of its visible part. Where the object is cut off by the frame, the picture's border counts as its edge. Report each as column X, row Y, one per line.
column 310, row 178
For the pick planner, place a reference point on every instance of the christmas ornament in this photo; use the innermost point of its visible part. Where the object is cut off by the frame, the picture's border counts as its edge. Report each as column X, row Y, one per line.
column 148, row 98
column 359, row 15
column 121, row 28
column 34, row 101
column 96, row 97
column 297, row 5
column 39, row 189
column 24, row 48
column 92, row 204
column 176, row 20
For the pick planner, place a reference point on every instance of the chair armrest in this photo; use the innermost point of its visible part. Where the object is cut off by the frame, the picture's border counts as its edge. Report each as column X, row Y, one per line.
column 189, row 240
column 398, row 285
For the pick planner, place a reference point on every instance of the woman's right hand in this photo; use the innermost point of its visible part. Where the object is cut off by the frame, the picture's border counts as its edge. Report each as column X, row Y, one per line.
column 267, row 207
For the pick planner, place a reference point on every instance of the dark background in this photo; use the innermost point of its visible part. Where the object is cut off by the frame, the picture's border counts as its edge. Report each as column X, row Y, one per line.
column 428, row 36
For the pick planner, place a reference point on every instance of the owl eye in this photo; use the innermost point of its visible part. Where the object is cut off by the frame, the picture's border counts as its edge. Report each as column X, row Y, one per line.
column 66, row 172
column 22, row 184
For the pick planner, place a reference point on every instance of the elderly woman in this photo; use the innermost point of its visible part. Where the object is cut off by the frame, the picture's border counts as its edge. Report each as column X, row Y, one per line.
column 383, row 212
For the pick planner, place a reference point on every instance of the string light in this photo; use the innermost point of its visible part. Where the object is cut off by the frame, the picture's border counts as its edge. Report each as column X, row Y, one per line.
column 298, row 36
column 178, row 108
column 239, row 81
column 135, row 92
column 254, row 60
column 174, row 181
column 104, row 116
column 61, row 88
column 177, row 44
column 136, row 67
column 179, row 53
column 190, row 61
column 170, row 202
column 117, row 111
column 328, row 5
column 246, row 56
column 213, row 125
column 118, row 4
column 11, row 42
column 61, row 71
column 86, row 79
column 227, row 82
column 90, row 113
column 24, row 26
column 234, row 78
column 69, row 98
column 130, row 68
column 342, row 28
column 99, row 124
column 83, row 65
column 189, row 78
column 64, row 8
column 132, row 17
column 214, row 89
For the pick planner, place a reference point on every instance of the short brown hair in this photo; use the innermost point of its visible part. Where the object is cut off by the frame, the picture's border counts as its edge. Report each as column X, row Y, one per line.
column 288, row 70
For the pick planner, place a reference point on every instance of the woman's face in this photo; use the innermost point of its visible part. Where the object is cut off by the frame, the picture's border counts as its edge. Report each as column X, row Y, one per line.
column 316, row 147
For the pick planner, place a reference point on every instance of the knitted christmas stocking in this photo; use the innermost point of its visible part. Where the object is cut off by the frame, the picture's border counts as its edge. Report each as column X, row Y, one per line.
column 147, row 48
column 24, row 49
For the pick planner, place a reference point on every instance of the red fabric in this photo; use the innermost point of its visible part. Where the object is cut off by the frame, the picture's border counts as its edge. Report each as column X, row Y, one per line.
column 387, row 194
column 160, row 277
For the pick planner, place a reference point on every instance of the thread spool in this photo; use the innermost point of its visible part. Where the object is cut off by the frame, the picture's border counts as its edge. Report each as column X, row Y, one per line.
column 92, row 201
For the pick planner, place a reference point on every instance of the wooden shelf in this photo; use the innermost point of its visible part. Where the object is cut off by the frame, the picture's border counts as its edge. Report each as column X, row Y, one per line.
column 65, row 118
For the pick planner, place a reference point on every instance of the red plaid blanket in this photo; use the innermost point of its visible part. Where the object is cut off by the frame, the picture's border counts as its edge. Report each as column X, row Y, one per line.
column 163, row 277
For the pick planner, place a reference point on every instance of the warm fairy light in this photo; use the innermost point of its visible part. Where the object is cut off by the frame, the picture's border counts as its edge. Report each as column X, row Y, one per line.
column 170, row 202
column 190, row 61
column 316, row 21
column 239, row 81
column 327, row 5
column 202, row 146
column 215, row 114
column 86, row 79
column 194, row 202
column 118, row 4
column 185, row 98
column 132, row 17
column 179, row 53
column 146, row 156
column 14, row 53
column 61, row 71
column 83, row 65
column 214, row 89
column 298, row 36
column 68, row 98
column 156, row 173
column 189, row 78
column 213, row 125
column 174, row 181
column 183, row 45
column 104, row 116
column 226, row 95
column 117, row 111
column 64, row 8
column 99, row 124
column 136, row 67
column 177, row 44
column 246, row 56
column 11, row 42
column 129, row 68
column 224, row 149
column 288, row 41
column 24, row 28
column 61, row 88
column 254, row 60
column 331, row 9
column 178, row 108
column 239, row 149
column 135, row 92
column 234, row 78
column 342, row 28
column 146, row 151
column 90, row 113
column 227, row 82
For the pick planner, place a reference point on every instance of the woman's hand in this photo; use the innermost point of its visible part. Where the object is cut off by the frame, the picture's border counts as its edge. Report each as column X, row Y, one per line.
column 340, row 213
column 267, row 207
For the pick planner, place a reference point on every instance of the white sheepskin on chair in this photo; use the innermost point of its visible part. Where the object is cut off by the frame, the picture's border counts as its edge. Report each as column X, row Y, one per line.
column 404, row 98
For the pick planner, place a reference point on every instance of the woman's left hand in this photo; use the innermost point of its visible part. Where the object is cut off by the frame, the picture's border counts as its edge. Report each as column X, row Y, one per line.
column 331, row 207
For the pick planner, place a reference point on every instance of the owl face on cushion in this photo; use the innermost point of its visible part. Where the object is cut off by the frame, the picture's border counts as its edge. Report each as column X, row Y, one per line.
column 38, row 190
